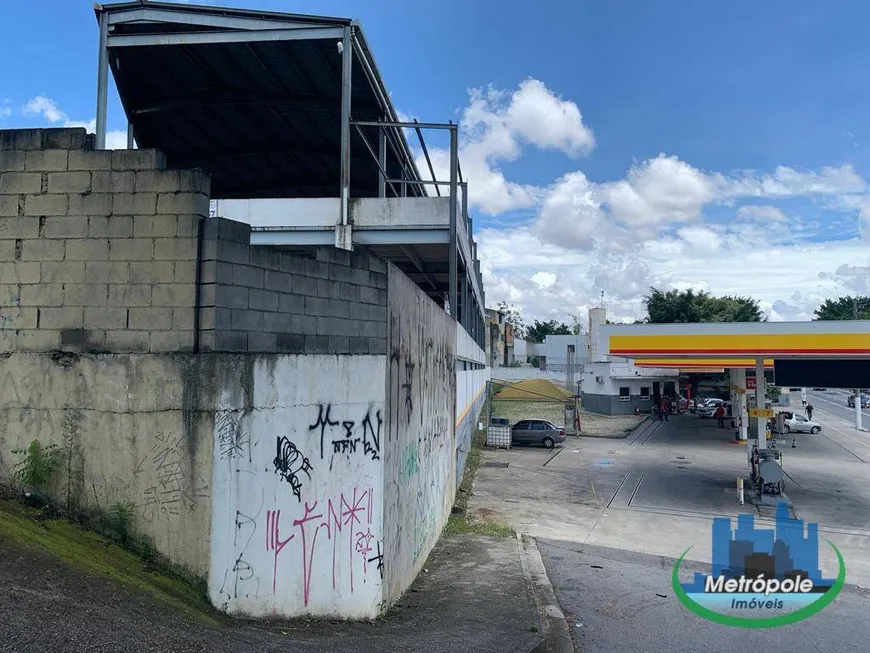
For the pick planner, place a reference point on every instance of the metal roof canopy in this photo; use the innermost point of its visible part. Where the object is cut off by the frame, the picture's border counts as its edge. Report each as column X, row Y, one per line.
column 702, row 364
column 262, row 101
column 847, row 339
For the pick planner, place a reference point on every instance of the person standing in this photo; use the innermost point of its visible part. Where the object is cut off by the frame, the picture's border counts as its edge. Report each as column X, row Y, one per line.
column 809, row 411
column 720, row 416
column 663, row 408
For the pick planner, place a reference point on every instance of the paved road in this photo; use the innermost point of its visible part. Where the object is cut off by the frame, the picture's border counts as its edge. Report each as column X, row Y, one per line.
column 627, row 605
column 834, row 402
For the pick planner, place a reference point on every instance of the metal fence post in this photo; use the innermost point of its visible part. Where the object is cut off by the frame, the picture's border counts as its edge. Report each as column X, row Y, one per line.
column 454, row 158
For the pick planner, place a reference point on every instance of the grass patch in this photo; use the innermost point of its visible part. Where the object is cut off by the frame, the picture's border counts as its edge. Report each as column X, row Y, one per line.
column 459, row 521
column 552, row 411
column 95, row 554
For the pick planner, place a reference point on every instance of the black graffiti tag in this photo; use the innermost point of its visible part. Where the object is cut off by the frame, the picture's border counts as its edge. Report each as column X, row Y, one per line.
column 290, row 463
column 372, row 435
column 322, row 423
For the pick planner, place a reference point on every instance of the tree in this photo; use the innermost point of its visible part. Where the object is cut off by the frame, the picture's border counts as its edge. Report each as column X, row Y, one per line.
column 540, row 330
column 844, row 308
column 576, row 325
column 675, row 306
column 513, row 317
column 772, row 392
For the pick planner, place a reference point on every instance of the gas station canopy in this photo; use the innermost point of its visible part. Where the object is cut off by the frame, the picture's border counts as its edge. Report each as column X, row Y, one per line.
column 736, row 344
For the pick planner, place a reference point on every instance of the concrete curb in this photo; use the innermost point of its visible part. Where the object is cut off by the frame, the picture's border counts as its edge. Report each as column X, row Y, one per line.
column 557, row 634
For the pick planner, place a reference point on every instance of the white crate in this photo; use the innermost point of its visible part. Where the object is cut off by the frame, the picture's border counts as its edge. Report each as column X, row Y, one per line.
column 498, row 436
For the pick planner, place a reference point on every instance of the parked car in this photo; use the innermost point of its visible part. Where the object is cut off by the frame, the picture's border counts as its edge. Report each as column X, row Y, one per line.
column 537, row 431
column 865, row 401
column 798, row 424
column 820, row 389
column 709, row 407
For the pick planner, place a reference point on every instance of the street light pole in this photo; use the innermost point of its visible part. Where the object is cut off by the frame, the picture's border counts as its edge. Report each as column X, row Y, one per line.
column 858, row 415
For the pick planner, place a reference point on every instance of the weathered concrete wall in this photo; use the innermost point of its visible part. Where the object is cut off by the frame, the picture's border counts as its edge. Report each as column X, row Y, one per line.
column 471, row 378
column 419, row 448
column 298, row 476
column 131, row 428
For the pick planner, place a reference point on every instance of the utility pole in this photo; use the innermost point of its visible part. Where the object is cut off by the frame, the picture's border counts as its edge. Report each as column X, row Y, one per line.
column 858, row 415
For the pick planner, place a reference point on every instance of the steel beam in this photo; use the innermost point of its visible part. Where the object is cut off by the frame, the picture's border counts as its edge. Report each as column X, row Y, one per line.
column 412, row 256
column 130, row 136
column 102, row 84
column 418, row 182
column 245, row 36
column 405, row 125
column 382, row 163
column 454, row 159
column 426, row 155
column 343, row 238
column 185, row 17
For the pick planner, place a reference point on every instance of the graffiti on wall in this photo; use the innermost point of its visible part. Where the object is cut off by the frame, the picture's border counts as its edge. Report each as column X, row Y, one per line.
column 173, row 492
column 421, row 396
column 10, row 311
column 342, row 526
column 349, row 436
column 244, row 579
column 296, row 533
column 290, row 464
column 233, row 441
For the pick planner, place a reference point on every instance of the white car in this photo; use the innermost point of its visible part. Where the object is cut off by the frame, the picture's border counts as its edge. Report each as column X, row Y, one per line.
column 800, row 424
column 709, row 407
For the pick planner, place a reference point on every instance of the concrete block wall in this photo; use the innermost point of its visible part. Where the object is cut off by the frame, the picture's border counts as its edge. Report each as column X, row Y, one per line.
column 260, row 299
column 97, row 248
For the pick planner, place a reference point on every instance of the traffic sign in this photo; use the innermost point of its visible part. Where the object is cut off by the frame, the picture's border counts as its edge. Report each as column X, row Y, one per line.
column 761, row 412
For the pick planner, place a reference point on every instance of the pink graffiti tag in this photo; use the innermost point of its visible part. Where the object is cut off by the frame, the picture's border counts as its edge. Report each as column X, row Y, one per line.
column 273, row 540
column 364, row 547
column 308, row 555
column 344, row 511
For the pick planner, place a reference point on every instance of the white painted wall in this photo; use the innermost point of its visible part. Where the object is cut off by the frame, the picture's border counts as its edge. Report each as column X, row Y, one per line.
column 623, row 373
column 297, row 525
column 556, row 349
column 420, row 212
column 431, row 212
column 308, row 212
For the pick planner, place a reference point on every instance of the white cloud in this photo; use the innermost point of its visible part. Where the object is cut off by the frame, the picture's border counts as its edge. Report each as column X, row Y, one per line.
column 45, row 107
column 659, row 191
column 544, row 279
column 761, row 214
column 494, row 129
column 623, row 236
column 48, row 110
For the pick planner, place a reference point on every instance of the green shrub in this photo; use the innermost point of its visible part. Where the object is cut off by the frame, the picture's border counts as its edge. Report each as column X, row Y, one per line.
column 38, row 465
column 121, row 519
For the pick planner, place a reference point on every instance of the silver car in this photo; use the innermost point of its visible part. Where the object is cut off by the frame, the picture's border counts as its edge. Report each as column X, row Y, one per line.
column 799, row 424
column 537, row 431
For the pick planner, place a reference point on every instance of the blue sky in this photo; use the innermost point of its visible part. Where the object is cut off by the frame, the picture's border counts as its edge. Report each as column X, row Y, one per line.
column 729, row 92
